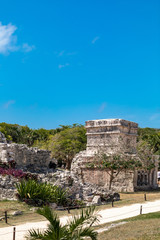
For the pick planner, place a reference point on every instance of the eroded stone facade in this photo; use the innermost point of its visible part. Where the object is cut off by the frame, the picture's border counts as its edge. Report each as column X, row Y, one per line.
column 111, row 136
column 29, row 159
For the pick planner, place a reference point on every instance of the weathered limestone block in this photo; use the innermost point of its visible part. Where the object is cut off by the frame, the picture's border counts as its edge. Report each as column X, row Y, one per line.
column 96, row 200
column 111, row 135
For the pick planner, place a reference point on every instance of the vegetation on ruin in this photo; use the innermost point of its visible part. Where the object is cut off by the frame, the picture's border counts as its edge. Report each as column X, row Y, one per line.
column 35, row 193
column 79, row 227
column 17, row 173
column 114, row 164
column 120, row 161
column 9, row 169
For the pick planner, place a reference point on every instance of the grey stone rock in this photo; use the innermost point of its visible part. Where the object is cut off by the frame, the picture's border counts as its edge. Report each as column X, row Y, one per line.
column 96, row 200
column 34, row 209
column 17, row 213
column 53, row 205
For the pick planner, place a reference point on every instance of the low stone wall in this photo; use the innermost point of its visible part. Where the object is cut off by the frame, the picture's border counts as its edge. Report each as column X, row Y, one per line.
column 32, row 159
column 7, row 187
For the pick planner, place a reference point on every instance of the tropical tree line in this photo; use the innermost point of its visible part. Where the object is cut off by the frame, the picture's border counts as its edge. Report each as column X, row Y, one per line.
column 25, row 135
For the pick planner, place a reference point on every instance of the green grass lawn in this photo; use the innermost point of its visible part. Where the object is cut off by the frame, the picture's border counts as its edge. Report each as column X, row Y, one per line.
column 142, row 227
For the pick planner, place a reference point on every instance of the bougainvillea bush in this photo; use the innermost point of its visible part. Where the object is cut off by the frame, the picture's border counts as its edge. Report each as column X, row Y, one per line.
column 17, row 173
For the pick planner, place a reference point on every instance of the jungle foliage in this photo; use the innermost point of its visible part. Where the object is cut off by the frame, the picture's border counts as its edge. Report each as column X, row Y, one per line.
column 25, row 135
column 150, row 137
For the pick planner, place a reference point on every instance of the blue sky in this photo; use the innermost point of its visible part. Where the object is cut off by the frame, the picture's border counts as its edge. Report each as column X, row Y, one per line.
column 67, row 61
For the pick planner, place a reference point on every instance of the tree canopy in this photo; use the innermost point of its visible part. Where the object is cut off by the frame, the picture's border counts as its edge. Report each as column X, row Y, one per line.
column 151, row 137
column 65, row 144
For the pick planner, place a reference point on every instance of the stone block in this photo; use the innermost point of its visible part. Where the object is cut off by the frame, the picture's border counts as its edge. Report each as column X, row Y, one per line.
column 96, row 200
column 17, row 213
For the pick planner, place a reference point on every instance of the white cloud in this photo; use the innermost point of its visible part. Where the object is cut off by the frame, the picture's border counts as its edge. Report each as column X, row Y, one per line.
column 102, row 107
column 95, row 39
column 27, row 48
column 7, row 104
column 7, row 38
column 63, row 65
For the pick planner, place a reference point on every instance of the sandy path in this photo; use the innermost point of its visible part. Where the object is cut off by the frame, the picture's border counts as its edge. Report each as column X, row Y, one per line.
column 108, row 215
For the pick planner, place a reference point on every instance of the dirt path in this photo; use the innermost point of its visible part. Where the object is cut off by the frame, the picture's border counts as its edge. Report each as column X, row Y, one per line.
column 108, row 215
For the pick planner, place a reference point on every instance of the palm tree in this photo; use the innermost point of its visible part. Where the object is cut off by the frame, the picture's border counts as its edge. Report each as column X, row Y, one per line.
column 78, row 228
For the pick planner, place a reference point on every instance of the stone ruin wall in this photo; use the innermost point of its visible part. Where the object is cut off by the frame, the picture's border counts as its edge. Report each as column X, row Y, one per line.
column 32, row 159
column 7, row 187
column 111, row 135
column 122, row 183
column 100, row 178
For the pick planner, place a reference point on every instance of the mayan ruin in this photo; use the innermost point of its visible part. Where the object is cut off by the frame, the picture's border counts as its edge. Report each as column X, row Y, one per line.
column 110, row 136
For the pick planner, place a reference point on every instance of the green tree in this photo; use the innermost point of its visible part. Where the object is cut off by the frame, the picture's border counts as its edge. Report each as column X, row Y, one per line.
column 151, row 137
column 78, row 228
column 115, row 163
column 65, row 144
column 145, row 154
column 11, row 131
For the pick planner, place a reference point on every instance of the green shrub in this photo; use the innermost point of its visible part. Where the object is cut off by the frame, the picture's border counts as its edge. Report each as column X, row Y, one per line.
column 33, row 192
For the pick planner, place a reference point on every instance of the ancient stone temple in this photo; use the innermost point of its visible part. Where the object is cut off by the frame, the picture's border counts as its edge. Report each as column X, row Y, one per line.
column 111, row 136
